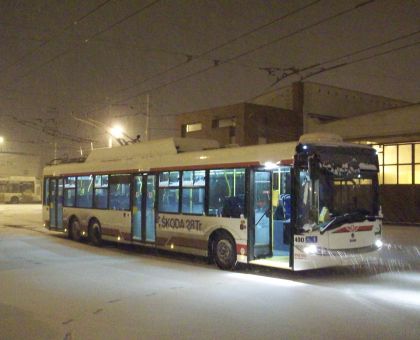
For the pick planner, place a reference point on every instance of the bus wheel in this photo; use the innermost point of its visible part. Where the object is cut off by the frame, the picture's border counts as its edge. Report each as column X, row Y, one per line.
column 95, row 234
column 14, row 200
column 76, row 233
column 224, row 252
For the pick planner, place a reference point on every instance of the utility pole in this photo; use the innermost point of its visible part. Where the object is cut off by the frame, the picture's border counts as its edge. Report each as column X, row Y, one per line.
column 147, row 117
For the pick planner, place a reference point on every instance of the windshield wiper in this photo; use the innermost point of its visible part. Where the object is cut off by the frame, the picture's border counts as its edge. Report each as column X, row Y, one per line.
column 338, row 221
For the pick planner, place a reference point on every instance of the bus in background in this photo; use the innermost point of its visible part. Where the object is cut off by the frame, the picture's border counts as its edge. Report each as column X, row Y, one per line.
column 20, row 189
column 297, row 206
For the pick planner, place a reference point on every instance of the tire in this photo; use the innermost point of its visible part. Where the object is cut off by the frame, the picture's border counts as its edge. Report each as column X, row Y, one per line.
column 76, row 230
column 95, row 233
column 14, row 200
column 224, row 251
column 68, row 234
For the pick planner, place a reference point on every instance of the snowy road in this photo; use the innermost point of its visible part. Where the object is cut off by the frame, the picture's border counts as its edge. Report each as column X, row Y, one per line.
column 53, row 288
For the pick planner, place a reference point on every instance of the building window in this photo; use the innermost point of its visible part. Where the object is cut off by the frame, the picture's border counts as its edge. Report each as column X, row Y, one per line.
column 193, row 191
column 193, row 127
column 417, row 163
column 169, row 192
column 224, row 122
column 399, row 163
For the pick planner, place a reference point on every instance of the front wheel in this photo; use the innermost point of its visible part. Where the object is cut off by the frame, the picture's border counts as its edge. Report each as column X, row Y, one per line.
column 224, row 252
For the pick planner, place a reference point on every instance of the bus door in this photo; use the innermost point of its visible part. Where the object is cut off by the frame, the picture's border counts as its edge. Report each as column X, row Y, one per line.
column 260, row 213
column 56, row 202
column 143, row 209
column 282, row 213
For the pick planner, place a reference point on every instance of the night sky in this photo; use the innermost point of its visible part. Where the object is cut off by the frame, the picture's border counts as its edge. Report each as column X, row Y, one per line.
column 98, row 60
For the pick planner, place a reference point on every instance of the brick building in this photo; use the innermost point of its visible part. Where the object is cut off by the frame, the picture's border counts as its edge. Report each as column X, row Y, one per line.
column 242, row 124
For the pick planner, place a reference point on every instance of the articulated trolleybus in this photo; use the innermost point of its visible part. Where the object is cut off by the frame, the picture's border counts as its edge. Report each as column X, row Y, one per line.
column 296, row 206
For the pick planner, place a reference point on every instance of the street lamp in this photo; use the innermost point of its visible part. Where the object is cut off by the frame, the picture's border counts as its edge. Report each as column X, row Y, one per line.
column 118, row 133
column 120, row 136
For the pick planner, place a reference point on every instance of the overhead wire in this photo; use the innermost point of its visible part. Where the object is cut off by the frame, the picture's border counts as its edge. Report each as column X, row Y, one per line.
column 191, row 57
column 242, row 54
column 295, row 71
column 57, row 35
column 362, row 59
column 71, row 49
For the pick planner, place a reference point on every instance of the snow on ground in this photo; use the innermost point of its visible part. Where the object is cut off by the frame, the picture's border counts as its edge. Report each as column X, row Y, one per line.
column 53, row 288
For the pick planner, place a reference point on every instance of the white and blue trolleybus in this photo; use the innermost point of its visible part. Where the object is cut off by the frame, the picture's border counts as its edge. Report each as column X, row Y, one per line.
column 297, row 206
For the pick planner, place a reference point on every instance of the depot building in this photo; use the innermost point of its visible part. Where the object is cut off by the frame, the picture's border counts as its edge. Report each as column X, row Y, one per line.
column 391, row 126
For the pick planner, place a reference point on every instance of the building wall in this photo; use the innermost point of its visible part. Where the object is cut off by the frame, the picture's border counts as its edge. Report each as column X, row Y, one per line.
column 282, row 98
column 254, row 124
column 270, row 124
column 311, row 98
column 337, row 102
column 206, row 118
column 391, row 124
column 19, row 165
column 400, row 203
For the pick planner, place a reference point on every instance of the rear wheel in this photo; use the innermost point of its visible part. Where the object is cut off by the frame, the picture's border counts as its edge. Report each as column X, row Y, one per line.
column 14, row 200
column 75, row 228
column 224, row 251
column 95, row 234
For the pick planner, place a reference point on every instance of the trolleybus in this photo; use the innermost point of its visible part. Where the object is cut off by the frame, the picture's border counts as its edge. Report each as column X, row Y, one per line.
column 18, row 189
column 297, row 206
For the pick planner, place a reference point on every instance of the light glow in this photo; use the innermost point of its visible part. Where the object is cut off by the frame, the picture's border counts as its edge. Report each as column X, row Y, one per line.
column 270, row 165
column 312, row 249
column 1, row 139
column 379, row 243
column 398, row 296
column 116, row 131
column 266, row 280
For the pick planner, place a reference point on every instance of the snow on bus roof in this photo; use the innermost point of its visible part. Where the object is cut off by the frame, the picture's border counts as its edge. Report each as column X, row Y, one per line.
column 151, row 149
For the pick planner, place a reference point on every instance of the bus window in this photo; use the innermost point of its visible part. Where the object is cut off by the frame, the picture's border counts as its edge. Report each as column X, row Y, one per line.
column 28, row 187
column 119, row 192
column 193, row 192
column 69, row 191
column 100, row 198
column 227, row 192
column 169, row 192
column 84, row 191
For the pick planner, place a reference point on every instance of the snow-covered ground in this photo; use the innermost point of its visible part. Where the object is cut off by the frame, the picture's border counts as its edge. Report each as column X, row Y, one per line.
column 53, row 288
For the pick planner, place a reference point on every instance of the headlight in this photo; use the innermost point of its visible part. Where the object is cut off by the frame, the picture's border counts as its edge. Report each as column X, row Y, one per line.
column 379, row 243
column 312, row 249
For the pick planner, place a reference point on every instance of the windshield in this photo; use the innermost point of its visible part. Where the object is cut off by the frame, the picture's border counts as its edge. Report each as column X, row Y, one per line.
column 325, row 196
column 348, row 195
